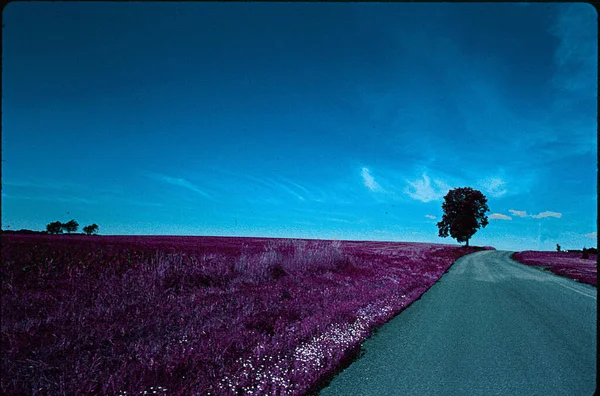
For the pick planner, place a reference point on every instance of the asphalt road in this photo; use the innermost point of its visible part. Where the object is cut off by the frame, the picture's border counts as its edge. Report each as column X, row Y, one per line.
column 490, row 326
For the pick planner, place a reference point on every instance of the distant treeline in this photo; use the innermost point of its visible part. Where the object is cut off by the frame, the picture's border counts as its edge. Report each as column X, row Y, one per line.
column 70, row 227
column 57, row 227
column 589, row 250
column 585, row 251
column 25, row 231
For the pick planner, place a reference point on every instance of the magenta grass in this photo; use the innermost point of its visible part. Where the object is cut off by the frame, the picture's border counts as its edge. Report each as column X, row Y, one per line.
column 198, row 315
column 567, row 264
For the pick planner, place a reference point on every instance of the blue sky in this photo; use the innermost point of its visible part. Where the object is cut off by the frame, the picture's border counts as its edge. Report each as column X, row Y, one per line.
column 310, row 120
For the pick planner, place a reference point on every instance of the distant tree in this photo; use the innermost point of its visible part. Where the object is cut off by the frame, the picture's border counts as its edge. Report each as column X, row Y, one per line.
column 464, row 213
column 557, row 247
column 70, row 226
column 585, row 254
column 55, row 227
column 91, row 229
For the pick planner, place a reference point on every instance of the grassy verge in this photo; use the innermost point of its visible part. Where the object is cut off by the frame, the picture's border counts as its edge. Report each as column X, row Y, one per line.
column 118, row 315
column 568, row 265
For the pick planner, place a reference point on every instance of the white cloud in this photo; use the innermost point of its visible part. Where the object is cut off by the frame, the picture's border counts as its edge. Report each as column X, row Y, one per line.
column 369, row 181
column 430, row 216
column 494, row 187
column 499, row 216
column 592, row 235
column 520, row 213
column 547, row 214
column 423, row 191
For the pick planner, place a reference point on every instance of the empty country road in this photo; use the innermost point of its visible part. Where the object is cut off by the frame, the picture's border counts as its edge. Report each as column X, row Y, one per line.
column 490, row 326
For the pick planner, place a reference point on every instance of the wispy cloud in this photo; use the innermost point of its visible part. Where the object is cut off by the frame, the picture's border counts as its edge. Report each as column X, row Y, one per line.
column 369, row 180
column 592, row 235
column 499, row 216
column 576, row 65
column 519, row 213
column 306, row 191
column 265, row 182
column 432, row 217
column 494, row 187
column 288, row 190
column 576, row 55
column 69, row 199
column 180, row 182
column 75, row 200
column 43, row 185
column 422, row 190
column 275, row 185
column 136, row 202
column 547, row 214
column 338, row 220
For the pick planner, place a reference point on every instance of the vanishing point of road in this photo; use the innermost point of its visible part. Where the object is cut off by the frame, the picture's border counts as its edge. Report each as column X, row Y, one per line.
column 490, row 326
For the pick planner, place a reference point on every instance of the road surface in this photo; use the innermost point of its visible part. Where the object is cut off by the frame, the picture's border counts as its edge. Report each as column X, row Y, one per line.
column 490, row 326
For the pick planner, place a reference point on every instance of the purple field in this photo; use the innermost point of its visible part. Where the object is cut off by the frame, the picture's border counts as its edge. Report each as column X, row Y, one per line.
column 198, row 315
column 569, row 265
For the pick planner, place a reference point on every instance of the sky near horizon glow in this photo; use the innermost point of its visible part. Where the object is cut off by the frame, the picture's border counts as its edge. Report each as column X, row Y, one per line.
column 305, row 120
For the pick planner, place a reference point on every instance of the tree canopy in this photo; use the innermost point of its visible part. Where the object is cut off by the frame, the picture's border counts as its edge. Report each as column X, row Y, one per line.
column 91, row 229
column 56, row 227
column 70, row 226
column 464, row 213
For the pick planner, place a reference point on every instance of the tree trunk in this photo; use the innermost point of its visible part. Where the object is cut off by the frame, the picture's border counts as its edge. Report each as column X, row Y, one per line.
column 467, row 243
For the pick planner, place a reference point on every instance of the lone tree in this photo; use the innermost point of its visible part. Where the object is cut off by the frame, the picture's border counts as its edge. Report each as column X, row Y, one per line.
column 70, row 226
column 464, row 212
column 54, row 228
column 91, row 229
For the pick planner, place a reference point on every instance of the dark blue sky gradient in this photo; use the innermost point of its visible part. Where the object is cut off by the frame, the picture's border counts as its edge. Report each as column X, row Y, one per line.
column 320, row 120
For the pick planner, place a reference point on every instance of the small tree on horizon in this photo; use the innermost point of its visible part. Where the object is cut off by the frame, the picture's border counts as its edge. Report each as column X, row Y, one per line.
column 91, row 229
column 464, row 213
column 70, row 226
column 557, row 247
column 56, row 227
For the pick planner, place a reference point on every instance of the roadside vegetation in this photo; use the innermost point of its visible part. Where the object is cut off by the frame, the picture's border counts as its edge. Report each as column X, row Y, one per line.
column 198, row 315
column 580, row 265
